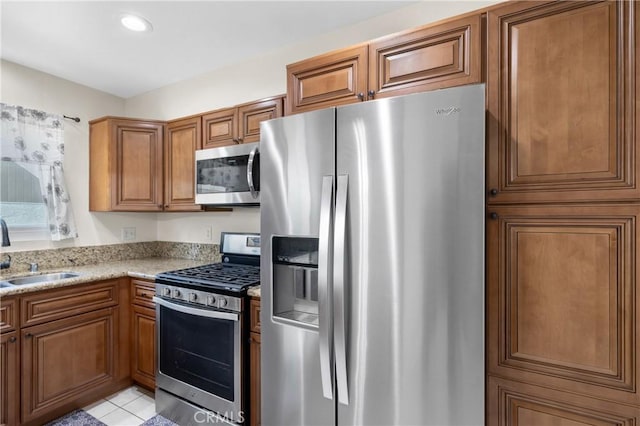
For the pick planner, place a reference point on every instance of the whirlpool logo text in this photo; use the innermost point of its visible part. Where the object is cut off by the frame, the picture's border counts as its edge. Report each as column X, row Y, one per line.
column 448, row 111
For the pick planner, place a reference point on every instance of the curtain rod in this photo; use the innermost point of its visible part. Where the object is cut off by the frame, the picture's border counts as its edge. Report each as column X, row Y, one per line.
column 76, row 119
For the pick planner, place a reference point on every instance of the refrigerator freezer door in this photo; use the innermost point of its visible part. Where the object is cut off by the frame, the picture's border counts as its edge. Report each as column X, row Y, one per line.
column 296, row 153
column 415, row 244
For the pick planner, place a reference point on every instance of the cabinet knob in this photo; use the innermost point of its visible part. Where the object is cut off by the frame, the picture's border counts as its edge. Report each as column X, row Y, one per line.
column 12, row 339
column 493, row 192
column 372, row 94
column 361, row 96
column 27, row 335
column 240, row 140
column 236, row 140
column 493, row 215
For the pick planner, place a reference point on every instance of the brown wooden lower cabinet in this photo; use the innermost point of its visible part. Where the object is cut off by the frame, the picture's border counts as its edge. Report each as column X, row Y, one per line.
column 9, row 378
column 143, row 357
column 562, row 311
column 143, row 333
column 254, row 362
column 62, row 349
column 63, row 359
column 514, row 403
column 254, row 371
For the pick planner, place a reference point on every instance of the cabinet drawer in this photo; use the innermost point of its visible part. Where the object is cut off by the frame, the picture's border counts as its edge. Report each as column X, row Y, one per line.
column 61, row 303
column 254, row 308
column 8, row 315
column 512, row 403
column 142, row 293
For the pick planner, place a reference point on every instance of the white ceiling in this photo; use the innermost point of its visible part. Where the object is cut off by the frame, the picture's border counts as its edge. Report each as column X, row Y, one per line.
column 83, row 41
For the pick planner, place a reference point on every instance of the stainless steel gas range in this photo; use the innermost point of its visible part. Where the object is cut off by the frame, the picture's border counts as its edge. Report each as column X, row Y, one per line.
column 202, row 334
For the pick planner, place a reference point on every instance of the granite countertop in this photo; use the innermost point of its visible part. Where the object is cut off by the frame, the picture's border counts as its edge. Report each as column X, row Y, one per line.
column 145, row 268
column 254, row 291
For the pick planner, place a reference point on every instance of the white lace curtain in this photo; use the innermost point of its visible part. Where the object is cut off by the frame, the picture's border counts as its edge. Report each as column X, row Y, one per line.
column 34, row 140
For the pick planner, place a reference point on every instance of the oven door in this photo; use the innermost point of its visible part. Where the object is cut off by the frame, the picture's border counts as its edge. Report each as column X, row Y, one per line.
column 200, row 356
column 228, row 175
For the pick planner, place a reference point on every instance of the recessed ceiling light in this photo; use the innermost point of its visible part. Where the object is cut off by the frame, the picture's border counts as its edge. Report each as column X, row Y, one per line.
column 135, row 23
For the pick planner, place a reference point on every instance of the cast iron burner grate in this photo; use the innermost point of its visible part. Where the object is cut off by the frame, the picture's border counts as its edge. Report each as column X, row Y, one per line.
column 235, row 276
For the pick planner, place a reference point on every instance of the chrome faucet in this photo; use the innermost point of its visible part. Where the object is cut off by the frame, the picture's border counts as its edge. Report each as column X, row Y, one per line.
column 5, row 243
column 5, row 233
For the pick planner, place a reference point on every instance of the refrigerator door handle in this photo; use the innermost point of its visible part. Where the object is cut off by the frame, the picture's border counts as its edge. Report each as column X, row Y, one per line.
column 252, row 188
column 325, row 319
column 339, row 288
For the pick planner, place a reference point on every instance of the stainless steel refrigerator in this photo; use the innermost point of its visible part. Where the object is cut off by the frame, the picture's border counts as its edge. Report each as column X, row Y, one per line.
column 372, row 266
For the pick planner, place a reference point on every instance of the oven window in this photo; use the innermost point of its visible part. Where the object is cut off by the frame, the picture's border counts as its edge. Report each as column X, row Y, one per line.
column 198, row 350
column 228, row 174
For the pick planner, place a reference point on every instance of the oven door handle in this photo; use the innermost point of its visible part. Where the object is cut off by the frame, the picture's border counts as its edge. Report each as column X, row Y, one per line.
column 195, row 311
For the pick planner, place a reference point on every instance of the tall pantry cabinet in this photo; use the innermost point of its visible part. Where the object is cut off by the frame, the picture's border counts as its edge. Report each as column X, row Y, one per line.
column 563, row 196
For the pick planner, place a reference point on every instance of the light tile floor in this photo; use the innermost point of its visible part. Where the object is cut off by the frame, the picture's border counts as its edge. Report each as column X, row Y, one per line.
column 129, row 407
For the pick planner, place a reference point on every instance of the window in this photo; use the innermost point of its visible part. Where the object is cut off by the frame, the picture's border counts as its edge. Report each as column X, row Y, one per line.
column 21, row 203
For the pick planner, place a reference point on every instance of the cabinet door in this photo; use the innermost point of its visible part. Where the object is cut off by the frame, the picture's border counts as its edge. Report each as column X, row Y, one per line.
column 184, row 137
column 219, row 128
column 138, row 176
column 142, row 292
column 9, row 379
column 336, row 78
column 562, row 298
column 64, row 359
column 561, row 98
column 254, row 367
column 519, row 404
column 251, row 115
column 143, row 360
column 436, row 57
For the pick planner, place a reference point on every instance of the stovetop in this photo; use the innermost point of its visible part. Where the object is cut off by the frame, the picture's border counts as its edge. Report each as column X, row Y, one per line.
column 216, row 276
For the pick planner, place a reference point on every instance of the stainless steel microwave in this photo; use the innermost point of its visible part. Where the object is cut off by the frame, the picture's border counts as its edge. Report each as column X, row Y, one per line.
column 229, row 175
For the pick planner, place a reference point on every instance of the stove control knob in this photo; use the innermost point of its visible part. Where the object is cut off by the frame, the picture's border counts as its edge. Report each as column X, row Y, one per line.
column 166, row 291
column 211, row 300
column 222, row 301
column 176, row 293
column 193, row 297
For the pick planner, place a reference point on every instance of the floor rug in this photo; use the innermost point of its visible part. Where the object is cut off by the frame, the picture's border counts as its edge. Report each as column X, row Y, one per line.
column 76, row 418
column 158, row 420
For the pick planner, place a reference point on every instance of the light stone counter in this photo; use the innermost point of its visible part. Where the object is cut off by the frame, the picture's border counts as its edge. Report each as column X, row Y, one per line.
column 254, row 291
column 145, row 268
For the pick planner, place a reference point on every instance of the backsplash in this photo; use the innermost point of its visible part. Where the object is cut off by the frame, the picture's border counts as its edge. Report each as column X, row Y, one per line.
column 76, row 256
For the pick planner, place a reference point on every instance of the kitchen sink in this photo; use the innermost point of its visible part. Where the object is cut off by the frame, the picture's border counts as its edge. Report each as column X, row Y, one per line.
column 44, row 278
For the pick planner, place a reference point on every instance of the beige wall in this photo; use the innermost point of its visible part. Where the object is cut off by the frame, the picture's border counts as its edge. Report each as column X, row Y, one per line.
column 265, row 75
column 261, row 77
column 34, row 89
column 252, row 79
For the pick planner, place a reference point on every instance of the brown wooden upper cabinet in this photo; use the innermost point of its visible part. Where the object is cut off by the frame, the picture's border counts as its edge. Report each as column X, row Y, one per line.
column 125, row 165
column 561, row 99
column 240, row 124
column 331, row 79
column 432, row 57
column 183, row 138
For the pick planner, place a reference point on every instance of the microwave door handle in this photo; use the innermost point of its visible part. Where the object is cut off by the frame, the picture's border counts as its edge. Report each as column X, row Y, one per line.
column 325, row 317
column 252, row 156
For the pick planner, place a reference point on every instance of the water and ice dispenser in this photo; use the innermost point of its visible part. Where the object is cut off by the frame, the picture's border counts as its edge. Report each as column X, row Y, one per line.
column 295, row 280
